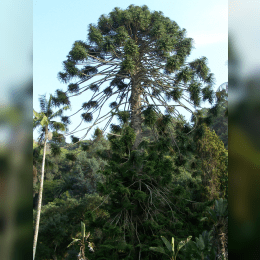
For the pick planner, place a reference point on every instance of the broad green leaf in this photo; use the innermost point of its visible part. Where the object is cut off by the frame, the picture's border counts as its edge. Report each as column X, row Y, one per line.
column 183, row 243
column 74, row 240
column 49, row 103
column 83, row 229
column 220, row 207
column 213, row 215
column 36, row 114
column 173, row 243
column 58, row 125
column 44, row 121
column 58, row 113
column 88, row 234
column 168, row 245
column 158, row 249
column 200, row 243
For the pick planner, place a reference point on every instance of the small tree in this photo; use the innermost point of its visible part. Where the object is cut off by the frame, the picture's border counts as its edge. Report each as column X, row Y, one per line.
column 140, row 193
column 44, row 121
column 213, row 157
column 171, row 247
column 81, row 242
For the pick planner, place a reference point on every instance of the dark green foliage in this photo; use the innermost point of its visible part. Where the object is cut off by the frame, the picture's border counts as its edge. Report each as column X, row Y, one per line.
column 60, row 221
column 129, row 195
column 216, row 118
column 200, row 249
column 65, row 199
column 86, row 164
column 113, row 104
column 61, row 98
column 58, row 138
column 144, row 198
column 71, row 156
column 194, row 90
column 87, row 117
column 108, row 91
column 55, row 149
column 52, row 190
column 199, row 66
column 74, row 139
column 85, row 146
column 145, row 187
column 149, row 116
column 115, row 128
column 98, row 134
column 207, row 94
column 123, row 116
column 78, row 51
column 214, row 110
column 220, row 125
column 69, row 66
column 94, row 87
column 87, row 71
column 73, row 88
column 65, row 120
column 90, row 104
column 176, row 94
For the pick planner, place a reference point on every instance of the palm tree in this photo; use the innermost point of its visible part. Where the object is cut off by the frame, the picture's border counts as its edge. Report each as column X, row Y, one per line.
column 44, row 120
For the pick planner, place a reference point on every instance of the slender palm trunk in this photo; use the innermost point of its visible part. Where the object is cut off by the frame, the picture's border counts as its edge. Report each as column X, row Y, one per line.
column 34, row 178
column 40, row 198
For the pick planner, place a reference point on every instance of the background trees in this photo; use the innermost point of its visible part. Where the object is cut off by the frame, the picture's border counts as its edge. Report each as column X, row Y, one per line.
column 71, row 199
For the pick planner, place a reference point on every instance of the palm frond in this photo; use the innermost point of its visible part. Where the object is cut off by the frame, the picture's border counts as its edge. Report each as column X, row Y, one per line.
column 44, row 122
column 58, row 113
column 36, row 123
column 49, row 102
column 36, row 114
column 43, row 103
column 57, row 126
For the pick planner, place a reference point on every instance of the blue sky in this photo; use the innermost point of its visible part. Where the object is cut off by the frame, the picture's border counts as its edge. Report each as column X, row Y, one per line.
column 58, row 24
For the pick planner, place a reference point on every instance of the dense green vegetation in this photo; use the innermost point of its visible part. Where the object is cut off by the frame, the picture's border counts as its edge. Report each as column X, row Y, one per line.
column 153, row 175
column 128, row 200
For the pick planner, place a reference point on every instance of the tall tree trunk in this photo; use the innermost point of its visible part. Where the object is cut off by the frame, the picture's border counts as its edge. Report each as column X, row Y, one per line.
column 136, row 119
column 34, row 178
column 40, row 197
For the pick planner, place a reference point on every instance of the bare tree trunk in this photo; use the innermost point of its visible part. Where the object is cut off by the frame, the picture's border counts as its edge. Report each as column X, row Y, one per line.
column 40, row 197
column 136, row 119
column 34, row 178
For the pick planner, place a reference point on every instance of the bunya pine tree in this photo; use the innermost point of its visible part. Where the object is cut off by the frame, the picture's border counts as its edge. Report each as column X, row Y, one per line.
column 134, row 58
